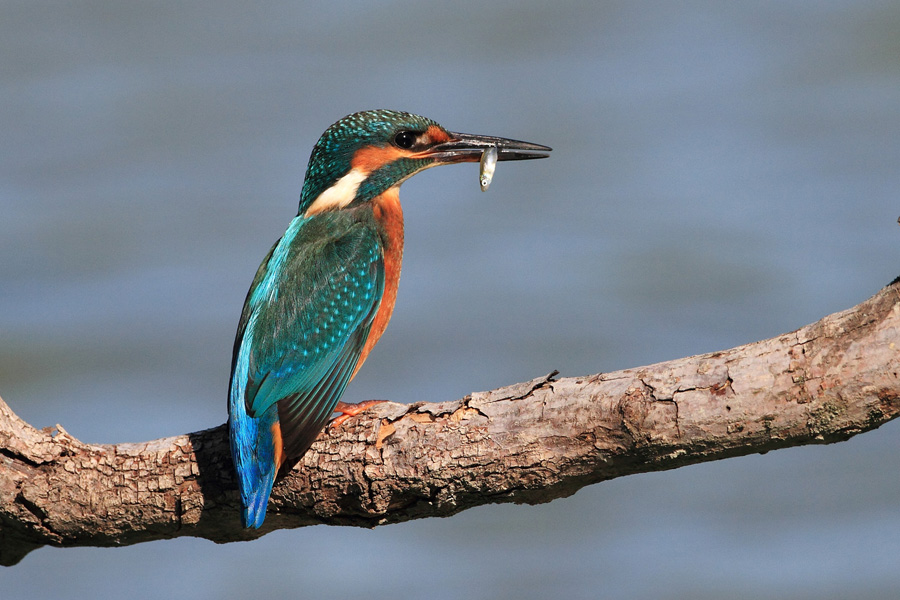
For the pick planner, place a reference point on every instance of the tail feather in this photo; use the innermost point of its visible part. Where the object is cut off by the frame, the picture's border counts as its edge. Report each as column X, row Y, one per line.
column 254, row 512
column 255, row 460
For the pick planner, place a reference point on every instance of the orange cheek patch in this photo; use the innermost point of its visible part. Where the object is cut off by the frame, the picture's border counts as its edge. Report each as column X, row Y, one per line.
column 437, row 135
column 371, row 158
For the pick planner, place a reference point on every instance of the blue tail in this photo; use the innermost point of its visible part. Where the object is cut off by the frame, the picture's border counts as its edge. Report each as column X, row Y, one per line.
column 254, row 512
column 253, row 452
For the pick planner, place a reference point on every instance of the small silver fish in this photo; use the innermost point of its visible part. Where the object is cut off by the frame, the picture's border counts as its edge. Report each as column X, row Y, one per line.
column 488, row 164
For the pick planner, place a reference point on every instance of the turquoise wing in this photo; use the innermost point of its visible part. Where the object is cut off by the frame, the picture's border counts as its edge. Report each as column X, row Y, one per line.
column 307, row 319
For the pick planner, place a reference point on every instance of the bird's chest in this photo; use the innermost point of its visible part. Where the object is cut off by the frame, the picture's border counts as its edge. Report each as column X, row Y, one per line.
column 389, row 217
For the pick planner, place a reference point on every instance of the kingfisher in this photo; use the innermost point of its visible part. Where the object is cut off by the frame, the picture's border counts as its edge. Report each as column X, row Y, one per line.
column 324, row 293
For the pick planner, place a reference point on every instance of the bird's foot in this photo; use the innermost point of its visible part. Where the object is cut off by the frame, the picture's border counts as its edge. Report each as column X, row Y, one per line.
column 350, row 410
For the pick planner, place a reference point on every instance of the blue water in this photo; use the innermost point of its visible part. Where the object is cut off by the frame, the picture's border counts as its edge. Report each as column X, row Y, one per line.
column 721, row 173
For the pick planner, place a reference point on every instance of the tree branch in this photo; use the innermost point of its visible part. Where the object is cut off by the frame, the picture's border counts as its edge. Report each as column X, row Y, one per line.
column 531, row 442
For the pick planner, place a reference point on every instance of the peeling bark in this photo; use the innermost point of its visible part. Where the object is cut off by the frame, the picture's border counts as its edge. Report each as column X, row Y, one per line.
column 527, row 443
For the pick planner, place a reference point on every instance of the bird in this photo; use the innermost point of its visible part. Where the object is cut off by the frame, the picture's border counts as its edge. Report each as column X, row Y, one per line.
column 325, row 292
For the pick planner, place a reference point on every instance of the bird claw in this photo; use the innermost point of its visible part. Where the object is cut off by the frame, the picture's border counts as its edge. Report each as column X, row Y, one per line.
column 348, row 410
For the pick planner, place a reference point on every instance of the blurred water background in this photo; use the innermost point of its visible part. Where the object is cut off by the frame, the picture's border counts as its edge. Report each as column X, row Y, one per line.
column 722, row 173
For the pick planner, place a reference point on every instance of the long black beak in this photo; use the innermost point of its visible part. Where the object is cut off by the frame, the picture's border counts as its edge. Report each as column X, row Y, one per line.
column 465, row 147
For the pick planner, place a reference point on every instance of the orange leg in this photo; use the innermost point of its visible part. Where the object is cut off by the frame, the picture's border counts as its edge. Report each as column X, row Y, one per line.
column 351, row 410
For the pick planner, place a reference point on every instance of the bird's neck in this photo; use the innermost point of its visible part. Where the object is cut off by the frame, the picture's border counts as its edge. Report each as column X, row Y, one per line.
column 389, row 216
column 338, row 196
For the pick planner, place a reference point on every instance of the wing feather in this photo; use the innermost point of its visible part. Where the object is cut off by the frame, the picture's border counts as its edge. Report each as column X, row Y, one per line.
column 306, row 319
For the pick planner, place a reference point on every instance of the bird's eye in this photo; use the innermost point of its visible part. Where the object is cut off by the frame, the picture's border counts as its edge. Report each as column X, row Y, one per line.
column 405, row 139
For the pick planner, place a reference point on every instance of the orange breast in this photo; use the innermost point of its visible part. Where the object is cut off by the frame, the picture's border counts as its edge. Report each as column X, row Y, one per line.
column 389, row 215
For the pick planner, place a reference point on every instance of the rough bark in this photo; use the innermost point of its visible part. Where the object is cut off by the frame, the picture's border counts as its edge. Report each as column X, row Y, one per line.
column 531, row 442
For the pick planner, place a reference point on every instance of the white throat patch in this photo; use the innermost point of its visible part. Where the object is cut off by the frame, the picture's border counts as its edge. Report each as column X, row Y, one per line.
column 338, row 195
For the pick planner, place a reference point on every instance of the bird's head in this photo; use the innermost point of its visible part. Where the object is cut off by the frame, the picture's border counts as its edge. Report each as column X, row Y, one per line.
column 367, row 153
